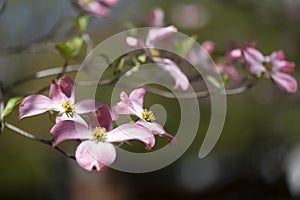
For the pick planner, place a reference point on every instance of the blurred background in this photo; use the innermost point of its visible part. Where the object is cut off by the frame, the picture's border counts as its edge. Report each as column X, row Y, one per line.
column 258, row 154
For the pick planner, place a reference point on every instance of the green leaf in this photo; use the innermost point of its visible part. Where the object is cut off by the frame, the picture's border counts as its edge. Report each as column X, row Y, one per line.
column 225, row 78
column 187, row 44
column 75, row 45
column 131, row 29
column 51, row 112
column 135, row 61
column 63, row 50
column 81, row 23
column 214, row 81
column 121, row 64
column 71, row 48
column 184, row 46
column 10, row 106
column 142, row 58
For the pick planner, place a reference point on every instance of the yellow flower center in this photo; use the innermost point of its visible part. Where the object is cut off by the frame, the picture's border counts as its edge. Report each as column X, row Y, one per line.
column 69, row 108
column 99, row 134
column 86, row 1
column 148, row 115
column 267, row 65
column 154, row 52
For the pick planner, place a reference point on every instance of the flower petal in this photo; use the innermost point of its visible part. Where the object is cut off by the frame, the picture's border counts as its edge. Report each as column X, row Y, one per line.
column 254, row 60
column 132, row 41
column 277, row 55
column 36, row 104
column 62, row 90
column 156, row 18
column 123, row 109
column 198, row 56
column 87, row 106
column 124, row 98
column 66, row 85
column 282, row 66
column 234, row 54
column 102, row 118
column 285, row 82
column 77, row 118
column 90, row 154
column 278, row 62
column 137, row 98
column 209, row 46
column 157, row 129
column 181, row 81
column 94, row 7
column 131, row 131
column 69, row 130
column 230, row 70
column 286, row 66
column 126, row 107
column 55, row 93
column 158, row 34
column 109, row 2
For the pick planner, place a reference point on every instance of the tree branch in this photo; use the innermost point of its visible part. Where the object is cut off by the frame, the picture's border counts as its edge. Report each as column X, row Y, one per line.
column 35, row 138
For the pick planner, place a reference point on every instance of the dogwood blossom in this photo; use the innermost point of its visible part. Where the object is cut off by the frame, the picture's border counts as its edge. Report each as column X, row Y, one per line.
column 61, row 99
column 274, row 66
column 198, row 56
column 96, row 149
column 227, row 68
column 133, row 105
column 153, row 35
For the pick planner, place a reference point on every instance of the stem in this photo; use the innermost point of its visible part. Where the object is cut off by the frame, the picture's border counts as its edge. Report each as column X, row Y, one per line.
column 89, row 43
column 199, row 94
column 35, row 138
column 41, row 74
column 64, row 69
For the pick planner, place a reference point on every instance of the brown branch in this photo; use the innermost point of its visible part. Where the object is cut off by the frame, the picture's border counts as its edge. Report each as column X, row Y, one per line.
column 35, row 138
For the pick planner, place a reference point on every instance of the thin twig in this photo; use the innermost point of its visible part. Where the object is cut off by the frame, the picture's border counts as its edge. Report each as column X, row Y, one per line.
column 35, row 138
column 88, row 42
column 40, row 91
column 41, row 74
column 199, row 94
column 64, row 69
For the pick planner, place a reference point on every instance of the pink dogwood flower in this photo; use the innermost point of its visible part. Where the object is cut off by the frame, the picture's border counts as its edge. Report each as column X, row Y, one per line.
column 227, row 68
column 154, row 35
column 279, row 70
column 96, row 149
column 198, row 56
column 202, row 56
column 133, row 105
column 274, row 66
column 97, row 7
column 209, row 46
column 61, row 99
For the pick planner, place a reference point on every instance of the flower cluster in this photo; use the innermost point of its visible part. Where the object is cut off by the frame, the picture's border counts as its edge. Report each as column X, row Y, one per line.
column 231, row 66
column 273, row 66
column 92, row 122
column 153, row 36
column 97, row 135
column 257, row 65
